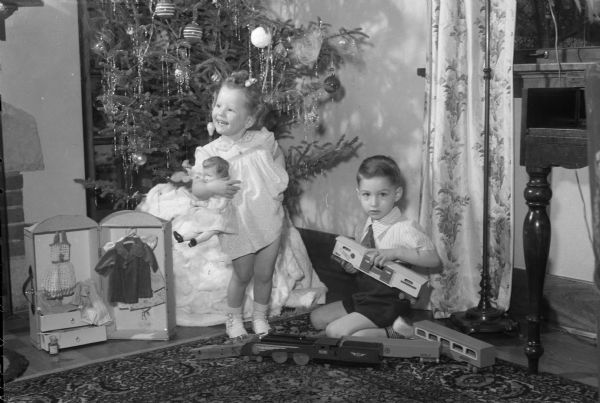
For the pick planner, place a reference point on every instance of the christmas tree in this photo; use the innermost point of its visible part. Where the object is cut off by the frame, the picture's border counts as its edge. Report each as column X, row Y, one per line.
column 161, row 62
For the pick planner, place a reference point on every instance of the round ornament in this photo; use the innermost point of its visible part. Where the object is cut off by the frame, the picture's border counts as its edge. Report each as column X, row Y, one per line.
column 331, row 84
column 164, row 9
column 192, row 32
column 260, row 37
column 139, row 159
column 99, row 47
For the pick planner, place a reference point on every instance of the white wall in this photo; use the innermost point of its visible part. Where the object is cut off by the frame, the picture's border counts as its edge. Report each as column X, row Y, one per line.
column 40, row 74
column 383, row 104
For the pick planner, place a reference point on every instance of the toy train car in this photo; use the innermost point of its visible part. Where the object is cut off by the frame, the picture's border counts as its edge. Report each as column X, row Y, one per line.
column 426, row 350
column 457, row 345
column 392, row 274
column 304, row 349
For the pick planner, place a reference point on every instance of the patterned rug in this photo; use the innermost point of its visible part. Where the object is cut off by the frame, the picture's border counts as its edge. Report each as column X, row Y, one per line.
column 177, row 374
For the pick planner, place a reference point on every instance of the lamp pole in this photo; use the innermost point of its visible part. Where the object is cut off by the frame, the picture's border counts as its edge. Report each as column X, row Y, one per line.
column 484, row 318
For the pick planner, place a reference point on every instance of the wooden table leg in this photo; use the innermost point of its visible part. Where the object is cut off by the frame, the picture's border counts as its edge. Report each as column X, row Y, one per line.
column 536, row 245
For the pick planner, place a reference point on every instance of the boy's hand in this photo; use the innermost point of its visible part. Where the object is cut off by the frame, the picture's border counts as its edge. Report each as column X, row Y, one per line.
column 381, row 256
column 348, row 268
column 225, row 188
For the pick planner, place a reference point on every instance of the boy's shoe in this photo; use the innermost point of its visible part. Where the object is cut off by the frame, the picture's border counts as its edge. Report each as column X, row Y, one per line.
column 403, row 326
column 260, row 325
column 234, row 326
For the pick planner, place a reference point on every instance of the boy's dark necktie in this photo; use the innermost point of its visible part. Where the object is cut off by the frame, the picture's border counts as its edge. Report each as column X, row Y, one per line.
column 369, row 239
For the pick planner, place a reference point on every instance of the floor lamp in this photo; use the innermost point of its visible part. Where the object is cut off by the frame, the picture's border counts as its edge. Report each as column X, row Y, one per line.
column 484, row 318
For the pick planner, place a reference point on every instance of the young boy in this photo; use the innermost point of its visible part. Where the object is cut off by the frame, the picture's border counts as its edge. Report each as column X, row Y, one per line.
column 389, row 236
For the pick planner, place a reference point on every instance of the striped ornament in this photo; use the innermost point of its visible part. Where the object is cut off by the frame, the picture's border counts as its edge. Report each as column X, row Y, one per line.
column 192, row 32
column 164, row 9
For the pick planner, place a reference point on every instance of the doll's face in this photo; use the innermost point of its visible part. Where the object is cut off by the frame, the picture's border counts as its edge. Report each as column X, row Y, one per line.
column 209, row 174
column 230, row 113
column 378, row 196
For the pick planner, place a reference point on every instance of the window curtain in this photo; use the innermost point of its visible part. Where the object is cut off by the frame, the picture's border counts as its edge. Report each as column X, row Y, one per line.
column 451, row 206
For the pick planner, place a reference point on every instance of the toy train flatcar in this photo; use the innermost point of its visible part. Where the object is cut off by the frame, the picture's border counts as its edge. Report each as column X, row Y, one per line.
column 457, row 345
column 303, row 349
column 426, row 350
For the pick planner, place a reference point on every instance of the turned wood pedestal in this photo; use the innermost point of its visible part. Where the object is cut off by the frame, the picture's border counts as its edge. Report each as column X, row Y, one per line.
column 553, row 134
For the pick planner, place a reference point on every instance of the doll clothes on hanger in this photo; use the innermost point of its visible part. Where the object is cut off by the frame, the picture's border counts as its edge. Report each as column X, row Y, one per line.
column 128, row 264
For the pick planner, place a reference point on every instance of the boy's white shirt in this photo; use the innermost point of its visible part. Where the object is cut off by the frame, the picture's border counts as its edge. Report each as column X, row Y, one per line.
column 406, row 234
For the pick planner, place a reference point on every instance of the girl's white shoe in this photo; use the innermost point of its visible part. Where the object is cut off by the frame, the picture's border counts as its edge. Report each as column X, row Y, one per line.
column 260, row 325
column 234, row 326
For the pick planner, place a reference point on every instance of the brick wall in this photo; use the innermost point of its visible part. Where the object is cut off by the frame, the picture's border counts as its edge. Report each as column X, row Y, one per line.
column 16, row 246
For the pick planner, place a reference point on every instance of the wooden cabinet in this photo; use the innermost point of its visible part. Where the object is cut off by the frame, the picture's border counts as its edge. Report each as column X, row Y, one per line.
column 553, row 134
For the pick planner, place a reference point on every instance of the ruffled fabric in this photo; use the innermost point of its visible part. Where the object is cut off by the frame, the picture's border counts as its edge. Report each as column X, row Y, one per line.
column 202, row 272
column 257, row 162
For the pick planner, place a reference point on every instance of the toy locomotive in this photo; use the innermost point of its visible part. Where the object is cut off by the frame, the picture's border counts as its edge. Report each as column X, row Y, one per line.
column 303, row 349
column 456, row 345
column 392, row 274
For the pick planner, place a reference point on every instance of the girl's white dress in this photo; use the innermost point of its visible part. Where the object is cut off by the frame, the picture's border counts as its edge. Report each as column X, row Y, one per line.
column 202, row 272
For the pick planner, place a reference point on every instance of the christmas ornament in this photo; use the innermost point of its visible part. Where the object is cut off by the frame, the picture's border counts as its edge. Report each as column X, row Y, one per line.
column 331, row 84
column 99, row 48
column 260, row 37
column 164, row 9
column 306, row 49
column 139, row 159
column 211, row 128
column 192, row 32
column 280, row 50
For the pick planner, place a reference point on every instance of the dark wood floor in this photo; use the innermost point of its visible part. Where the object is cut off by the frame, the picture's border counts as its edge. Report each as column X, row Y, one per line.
column 570, row 356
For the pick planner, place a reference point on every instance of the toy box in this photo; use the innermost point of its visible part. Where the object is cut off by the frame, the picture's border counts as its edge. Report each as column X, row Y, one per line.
column 62, row 255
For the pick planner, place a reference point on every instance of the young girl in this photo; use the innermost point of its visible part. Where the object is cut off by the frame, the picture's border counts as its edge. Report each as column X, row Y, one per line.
column 257, row 162
column 389, row 236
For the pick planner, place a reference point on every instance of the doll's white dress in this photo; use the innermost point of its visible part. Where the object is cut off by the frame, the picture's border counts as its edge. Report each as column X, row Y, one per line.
column 202, row 272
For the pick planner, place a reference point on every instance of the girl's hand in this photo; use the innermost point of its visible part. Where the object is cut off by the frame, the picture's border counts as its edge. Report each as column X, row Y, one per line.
column 180, row 177
column 382, row 256
column 226, row 188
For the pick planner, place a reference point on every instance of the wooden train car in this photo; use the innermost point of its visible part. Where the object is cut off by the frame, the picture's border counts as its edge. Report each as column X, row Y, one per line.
column 303, row 349
column 426, row 350
column 457, row 345
column 392, row 274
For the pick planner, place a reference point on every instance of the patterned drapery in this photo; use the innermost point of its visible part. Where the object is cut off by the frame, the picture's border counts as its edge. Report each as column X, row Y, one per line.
column 451, row 207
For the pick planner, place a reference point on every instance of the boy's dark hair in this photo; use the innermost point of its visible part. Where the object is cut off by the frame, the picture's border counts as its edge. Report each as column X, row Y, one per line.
column 221, row 166
column 380, row 166
column 241, row 80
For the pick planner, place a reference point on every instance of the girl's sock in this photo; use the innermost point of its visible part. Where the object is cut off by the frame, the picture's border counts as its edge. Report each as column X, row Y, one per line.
column 234, row 326
column 260, row 325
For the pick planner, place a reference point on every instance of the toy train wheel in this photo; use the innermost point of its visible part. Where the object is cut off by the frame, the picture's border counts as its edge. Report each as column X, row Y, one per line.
column 301, row 358
column 279, row 357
